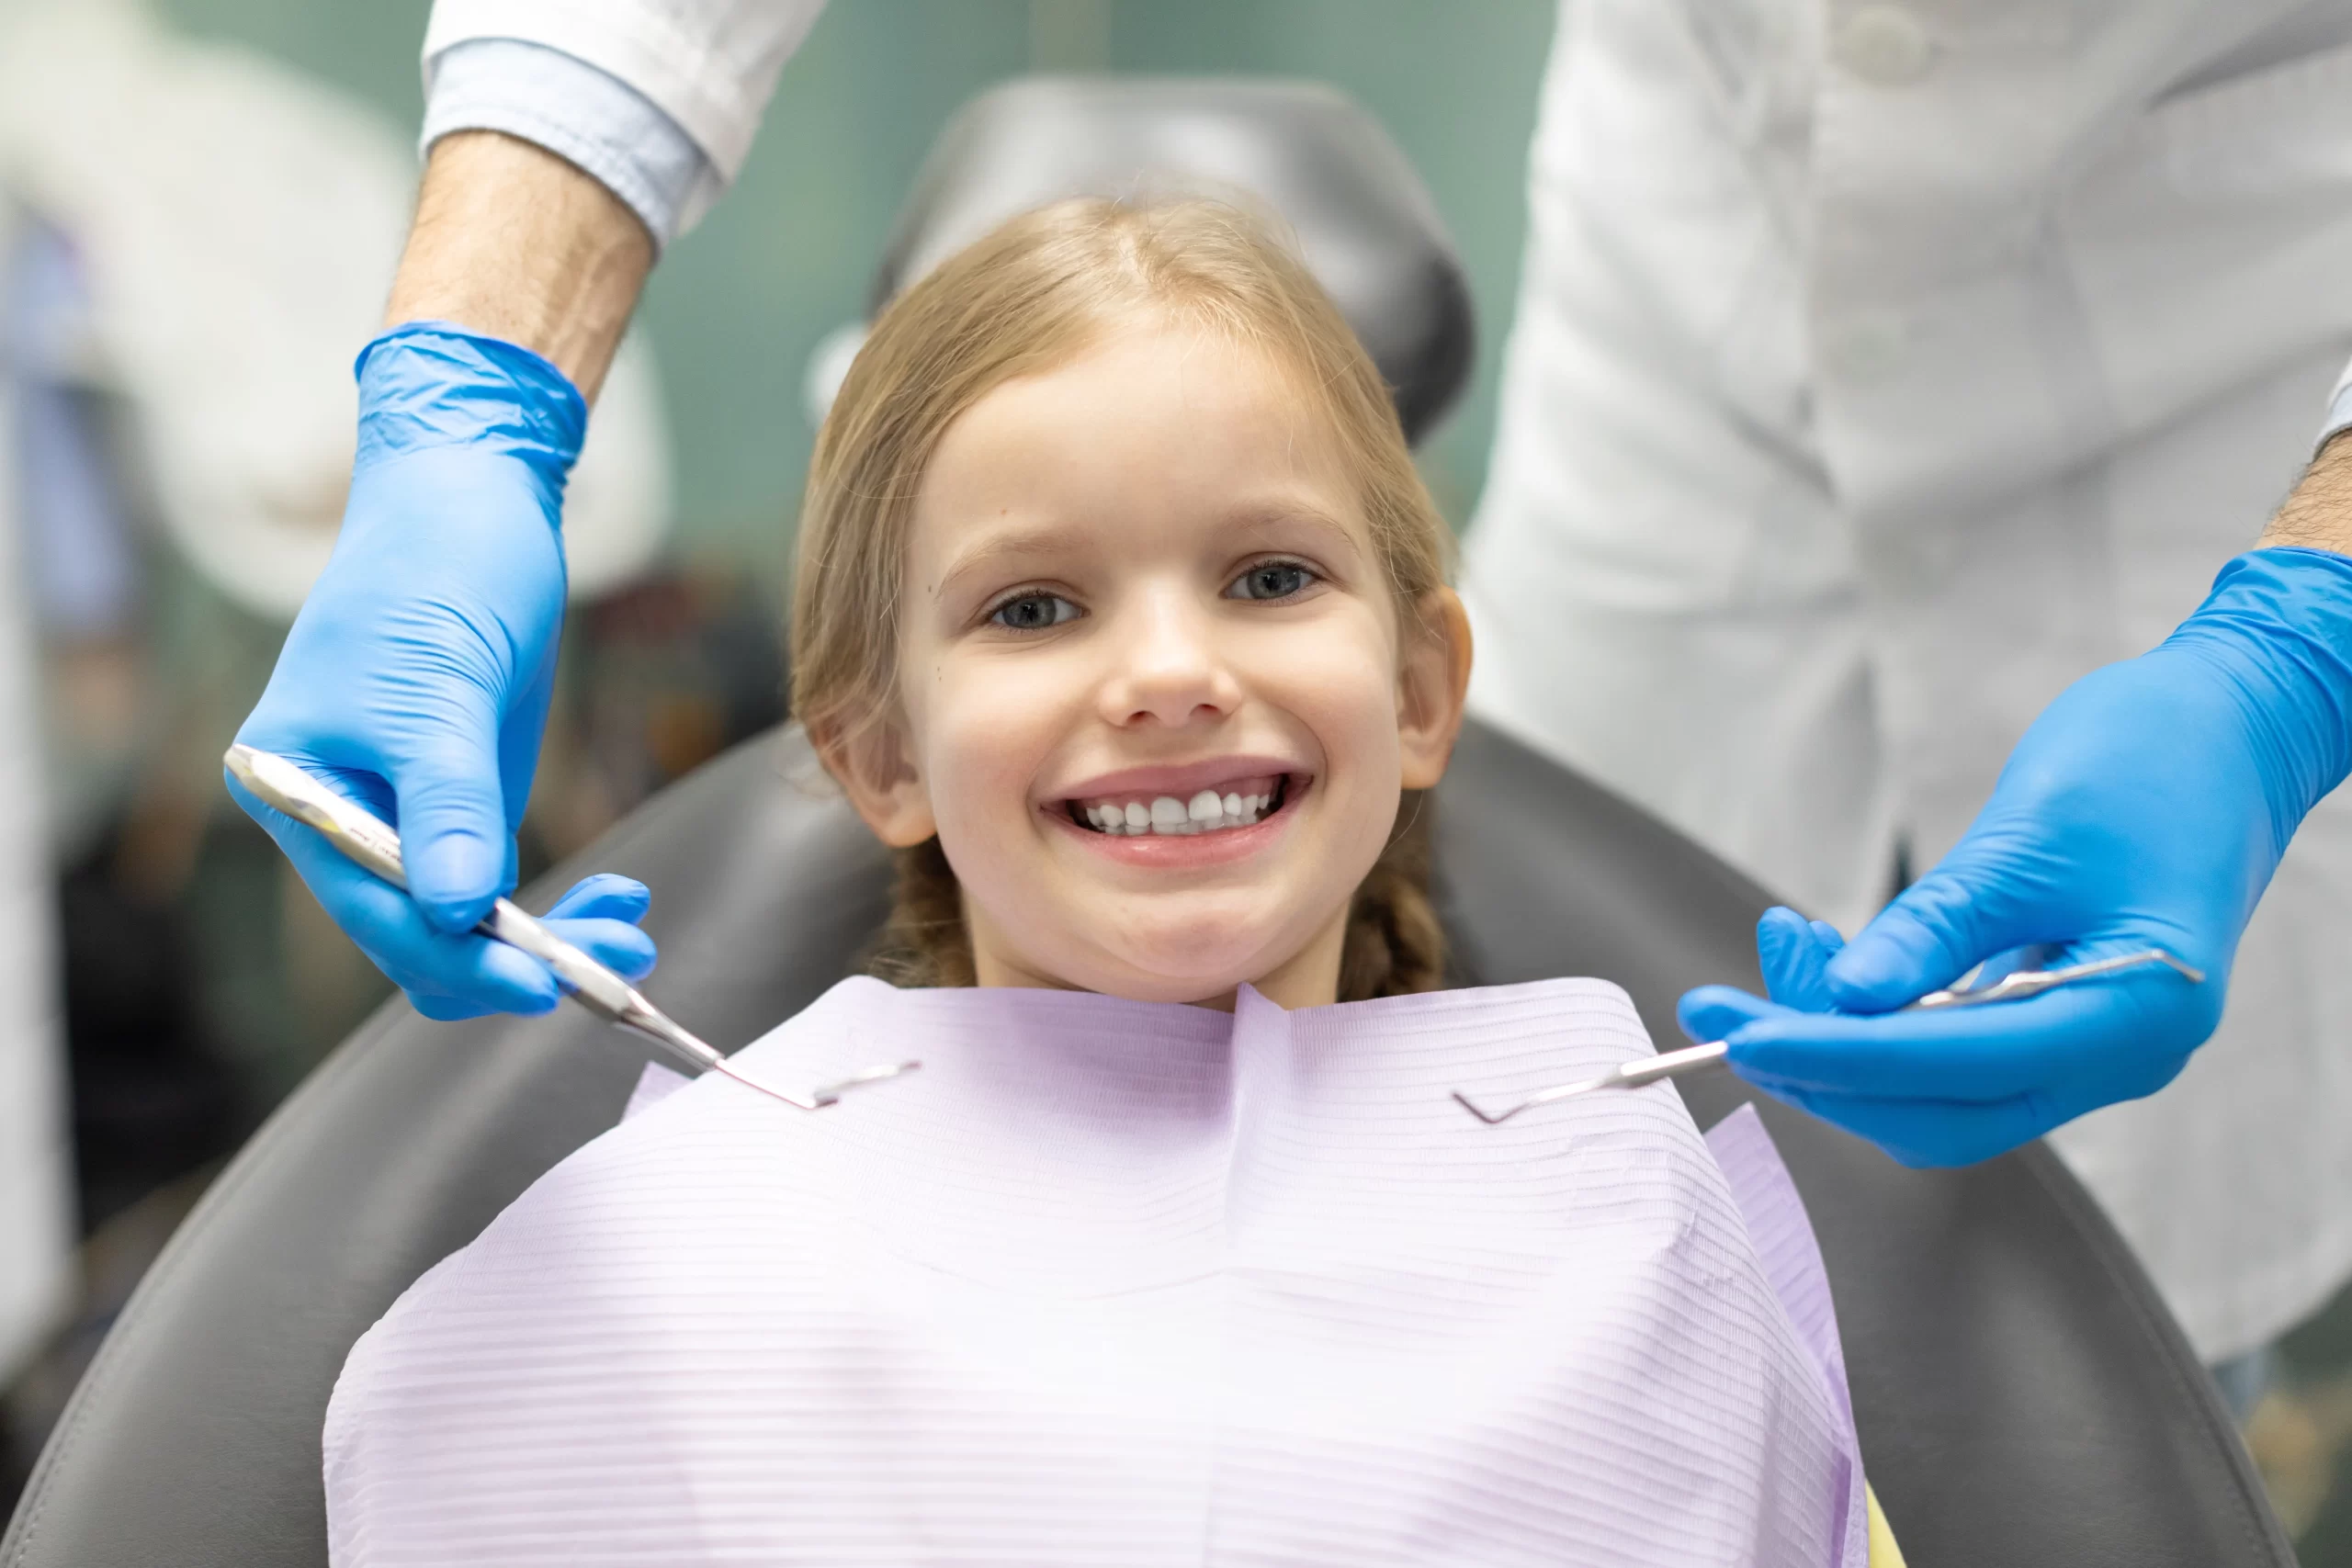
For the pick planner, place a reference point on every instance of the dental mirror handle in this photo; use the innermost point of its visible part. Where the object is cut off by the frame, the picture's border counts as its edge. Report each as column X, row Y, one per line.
column 369, row 842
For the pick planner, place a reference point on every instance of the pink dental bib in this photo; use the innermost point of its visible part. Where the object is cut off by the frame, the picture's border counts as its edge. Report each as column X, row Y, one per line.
column 1116, row 1285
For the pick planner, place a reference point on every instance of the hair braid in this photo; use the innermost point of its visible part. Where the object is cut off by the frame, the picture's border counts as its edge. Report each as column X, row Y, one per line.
column 1394, row 945
column 924, row 941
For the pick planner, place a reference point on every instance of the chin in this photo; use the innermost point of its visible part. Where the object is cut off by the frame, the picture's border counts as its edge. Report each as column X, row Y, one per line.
column 1169, row 992
column 1213, row 966
column 1163, row 949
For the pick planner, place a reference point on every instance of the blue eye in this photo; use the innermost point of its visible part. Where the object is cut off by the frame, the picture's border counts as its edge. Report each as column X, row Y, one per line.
column 1270, row 580
column 1034, row 612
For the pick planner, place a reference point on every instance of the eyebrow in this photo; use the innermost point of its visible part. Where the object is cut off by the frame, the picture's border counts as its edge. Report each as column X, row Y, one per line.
column 1276, row 514
column 1033, row 540
column 1043, row 538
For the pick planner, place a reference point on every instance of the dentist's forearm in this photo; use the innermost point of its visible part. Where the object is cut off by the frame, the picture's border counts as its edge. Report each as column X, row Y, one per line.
column 514, row 241
column 2318, row 514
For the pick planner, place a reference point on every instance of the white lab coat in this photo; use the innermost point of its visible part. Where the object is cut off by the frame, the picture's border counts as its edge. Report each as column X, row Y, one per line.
column 1878, row 369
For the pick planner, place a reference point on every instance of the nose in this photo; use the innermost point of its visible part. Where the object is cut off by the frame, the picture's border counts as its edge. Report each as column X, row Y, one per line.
column 1166, row 667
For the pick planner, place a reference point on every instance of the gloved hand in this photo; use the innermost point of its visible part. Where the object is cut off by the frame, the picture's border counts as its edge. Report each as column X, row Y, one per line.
column 417, row 676
column 2146, row 807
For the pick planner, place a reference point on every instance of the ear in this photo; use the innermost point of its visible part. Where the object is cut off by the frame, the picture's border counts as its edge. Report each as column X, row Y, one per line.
column 875, row 771
column 1433, row 682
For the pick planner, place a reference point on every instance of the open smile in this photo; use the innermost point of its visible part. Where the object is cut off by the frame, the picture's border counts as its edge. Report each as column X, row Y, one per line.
column 1197, row 815
column 1219, row 808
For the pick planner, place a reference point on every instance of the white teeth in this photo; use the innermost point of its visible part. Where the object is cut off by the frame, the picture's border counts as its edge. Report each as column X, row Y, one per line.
column 1206, row 812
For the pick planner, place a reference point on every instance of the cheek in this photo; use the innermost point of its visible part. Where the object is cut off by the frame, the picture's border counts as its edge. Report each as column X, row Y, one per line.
column 1339, row 679
column 984, row 729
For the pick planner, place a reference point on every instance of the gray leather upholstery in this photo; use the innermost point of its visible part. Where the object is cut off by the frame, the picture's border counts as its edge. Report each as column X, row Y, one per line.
column 1300, row 149
column 2023, row 1396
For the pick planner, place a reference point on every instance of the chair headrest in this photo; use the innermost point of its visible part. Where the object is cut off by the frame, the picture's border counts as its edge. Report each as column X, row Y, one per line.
column 1362, row 219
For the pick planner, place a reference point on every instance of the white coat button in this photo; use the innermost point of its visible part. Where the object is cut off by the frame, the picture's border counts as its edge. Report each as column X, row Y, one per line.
column 1886, row 45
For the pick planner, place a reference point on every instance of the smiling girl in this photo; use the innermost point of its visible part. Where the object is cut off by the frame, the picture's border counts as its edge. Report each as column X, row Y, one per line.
column 1121, row 616
column 1114, row 526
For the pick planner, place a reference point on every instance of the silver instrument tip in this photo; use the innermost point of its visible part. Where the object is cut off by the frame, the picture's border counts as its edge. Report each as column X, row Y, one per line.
column 820, row 1096
column 1470, row 1105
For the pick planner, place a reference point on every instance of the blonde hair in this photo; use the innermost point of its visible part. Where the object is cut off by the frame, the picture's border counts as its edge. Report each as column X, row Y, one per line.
column 1029, row 297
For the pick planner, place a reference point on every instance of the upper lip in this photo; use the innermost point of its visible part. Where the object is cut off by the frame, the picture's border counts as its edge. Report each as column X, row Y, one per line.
column 1180, row 781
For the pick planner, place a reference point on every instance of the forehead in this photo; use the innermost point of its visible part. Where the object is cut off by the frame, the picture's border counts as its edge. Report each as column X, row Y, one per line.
column 1152, row 427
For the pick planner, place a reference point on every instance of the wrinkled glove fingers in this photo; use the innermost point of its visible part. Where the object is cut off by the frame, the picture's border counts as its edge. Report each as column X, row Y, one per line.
column 1936, row 931
column 1925, row 1134
column 450, row 975
column 1716, row 1012
column 1928, row 1133
column 607, row 896
column 454, row 835
column 1795, row 958
column 445, row 974
column 519, row 735
column 1962, row 1053
column 616, row 944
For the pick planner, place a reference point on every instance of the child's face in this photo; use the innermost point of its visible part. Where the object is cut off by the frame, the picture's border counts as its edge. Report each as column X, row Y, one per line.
column 1156, row 701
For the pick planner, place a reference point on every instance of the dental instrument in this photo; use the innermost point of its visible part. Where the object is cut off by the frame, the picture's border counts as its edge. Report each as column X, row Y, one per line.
column 1969, row 991
column 369, row 842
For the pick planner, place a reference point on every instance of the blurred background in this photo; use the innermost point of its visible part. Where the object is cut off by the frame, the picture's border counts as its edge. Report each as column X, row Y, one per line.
column 203, row 200
column 202, row 203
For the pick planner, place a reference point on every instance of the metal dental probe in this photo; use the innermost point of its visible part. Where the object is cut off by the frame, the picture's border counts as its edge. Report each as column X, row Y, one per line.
column 1695, row 1058
column 370, row 842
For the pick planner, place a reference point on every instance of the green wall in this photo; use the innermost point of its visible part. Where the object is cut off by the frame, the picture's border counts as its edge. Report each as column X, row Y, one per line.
column 737, row 306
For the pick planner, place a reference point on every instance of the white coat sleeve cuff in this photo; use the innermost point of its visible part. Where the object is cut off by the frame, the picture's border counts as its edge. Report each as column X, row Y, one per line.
column 581, row 114
column 2339, row 412
column 708, row 64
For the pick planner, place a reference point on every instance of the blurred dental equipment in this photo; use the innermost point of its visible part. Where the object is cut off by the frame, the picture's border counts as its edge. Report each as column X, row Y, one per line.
column 368, row 840
column 1973, row 989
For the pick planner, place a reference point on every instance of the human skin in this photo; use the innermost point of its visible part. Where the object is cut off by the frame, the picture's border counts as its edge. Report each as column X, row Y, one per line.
column 2318, row 514
column 511, row 241
column 1125, row 505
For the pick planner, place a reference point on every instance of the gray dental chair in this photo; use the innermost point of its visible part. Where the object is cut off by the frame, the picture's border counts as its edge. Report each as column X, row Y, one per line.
column 2023, row 1396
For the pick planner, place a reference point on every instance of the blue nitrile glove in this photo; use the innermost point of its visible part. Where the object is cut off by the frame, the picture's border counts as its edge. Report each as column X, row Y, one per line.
column 417, row 676
column 2146, row 807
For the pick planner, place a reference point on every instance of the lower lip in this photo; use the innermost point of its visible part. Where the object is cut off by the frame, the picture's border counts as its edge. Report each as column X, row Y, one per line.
column 1185, row 851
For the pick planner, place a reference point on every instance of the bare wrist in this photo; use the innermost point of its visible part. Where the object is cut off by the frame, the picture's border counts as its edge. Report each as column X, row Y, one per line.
column 511, row 241
column 2318, row 513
